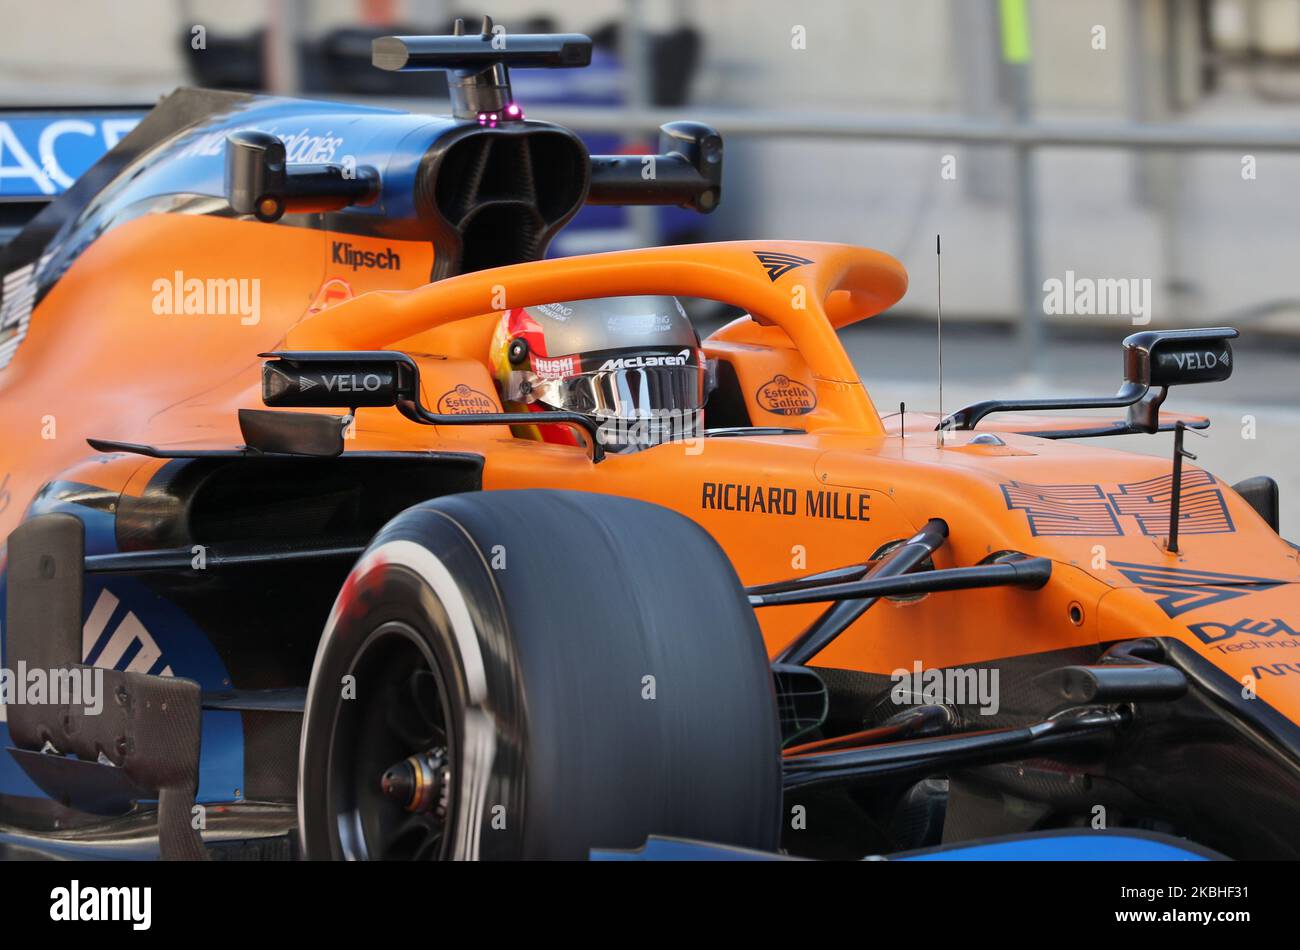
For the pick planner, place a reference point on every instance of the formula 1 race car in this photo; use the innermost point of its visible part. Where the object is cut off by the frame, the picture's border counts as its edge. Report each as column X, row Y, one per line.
column 340, row 524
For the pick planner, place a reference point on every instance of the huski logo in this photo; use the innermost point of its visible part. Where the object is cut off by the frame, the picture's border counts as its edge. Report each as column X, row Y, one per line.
column 1177, row 591
column 555, row 369
column 778, row 264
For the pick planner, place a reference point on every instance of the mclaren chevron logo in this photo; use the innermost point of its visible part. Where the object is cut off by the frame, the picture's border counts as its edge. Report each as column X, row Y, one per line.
column 1177, row 591
column 778, row 264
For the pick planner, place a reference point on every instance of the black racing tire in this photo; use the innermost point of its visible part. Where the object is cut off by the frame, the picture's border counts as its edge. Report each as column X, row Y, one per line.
column 518, row 631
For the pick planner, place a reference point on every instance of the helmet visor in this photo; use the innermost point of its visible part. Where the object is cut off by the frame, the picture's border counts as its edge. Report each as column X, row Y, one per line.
column 633, row 393
column 637, row 405
column 635, row 387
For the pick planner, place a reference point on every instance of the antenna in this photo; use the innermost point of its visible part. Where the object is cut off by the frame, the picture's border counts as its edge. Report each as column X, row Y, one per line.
column 1176, row 482
column 938, row 264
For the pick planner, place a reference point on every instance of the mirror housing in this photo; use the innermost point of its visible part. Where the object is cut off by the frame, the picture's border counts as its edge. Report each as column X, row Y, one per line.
column 339, row 381
column 1154, row 360
column 1160, row 358
column 687, row 171
column 353, row 379
column 260, row 182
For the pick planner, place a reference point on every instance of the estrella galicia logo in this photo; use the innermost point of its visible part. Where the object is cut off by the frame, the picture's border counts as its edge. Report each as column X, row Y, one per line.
column 465, row 400
column 778, row 263
column 1212, row 632
column 1177, row 590
column 786, row 397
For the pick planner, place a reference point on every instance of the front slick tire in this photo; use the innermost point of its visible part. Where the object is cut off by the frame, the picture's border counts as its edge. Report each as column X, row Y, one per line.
column 565, row 671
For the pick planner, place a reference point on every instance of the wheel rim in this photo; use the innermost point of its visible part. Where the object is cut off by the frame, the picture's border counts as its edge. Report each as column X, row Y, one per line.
column 399, row 717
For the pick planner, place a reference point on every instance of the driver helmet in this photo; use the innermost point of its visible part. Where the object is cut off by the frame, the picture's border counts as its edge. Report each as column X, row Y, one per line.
column 633, row 364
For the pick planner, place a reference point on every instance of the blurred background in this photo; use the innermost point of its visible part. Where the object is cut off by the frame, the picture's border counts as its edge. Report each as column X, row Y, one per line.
column 1154, row 142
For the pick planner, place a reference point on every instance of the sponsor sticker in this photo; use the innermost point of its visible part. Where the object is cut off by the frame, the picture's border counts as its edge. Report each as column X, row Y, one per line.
column 465, row 399
column 645, row 362
column 345, row 254
column 45, row 154
column 555, row 368
column 303, row 146
column 828, row 503
column 1178, row 590
column 640, row 323
column 556, row 311
column 1213, row 632
column 786, row 397
column 778, row 263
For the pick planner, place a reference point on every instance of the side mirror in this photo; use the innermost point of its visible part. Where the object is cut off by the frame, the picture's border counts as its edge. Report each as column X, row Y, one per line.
column 260, row 182
column 356, row 378
column 338, row 380
column 1154, row 360
column 1159, row 358
column 686, row 173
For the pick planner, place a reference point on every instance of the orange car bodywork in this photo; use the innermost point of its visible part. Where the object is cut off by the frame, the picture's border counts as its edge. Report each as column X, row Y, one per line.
column 100, row 362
